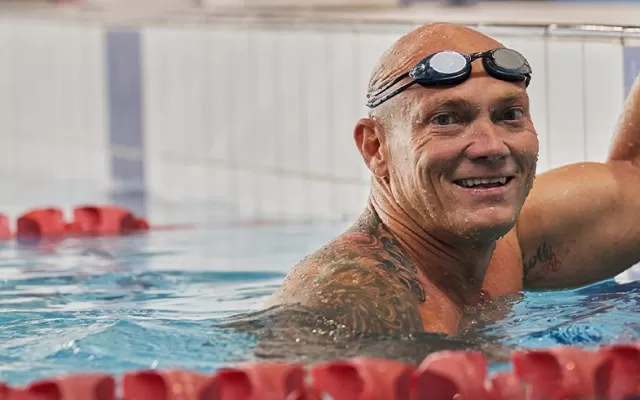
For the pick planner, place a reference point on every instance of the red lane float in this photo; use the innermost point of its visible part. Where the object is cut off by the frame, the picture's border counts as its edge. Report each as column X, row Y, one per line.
column 41, row 222
column 617, row 376
column 559, row 373
column 162, row 385
column 5, row 229
column 94, row 387
column 610, row 373
column 257, row 381
column 88, row 220
column 443, row 375
column 506, row 386
column 106, row 220
column 363, row 378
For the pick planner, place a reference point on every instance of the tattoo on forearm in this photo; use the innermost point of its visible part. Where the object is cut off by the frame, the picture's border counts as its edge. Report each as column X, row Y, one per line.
column 544, row 262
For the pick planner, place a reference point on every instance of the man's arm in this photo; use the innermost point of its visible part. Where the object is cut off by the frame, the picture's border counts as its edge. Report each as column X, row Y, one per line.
column 581, row 223
column 358, row 296
column 364, row 298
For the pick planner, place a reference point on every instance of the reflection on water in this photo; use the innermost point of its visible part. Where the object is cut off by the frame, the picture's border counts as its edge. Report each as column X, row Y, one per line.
column 190, row 299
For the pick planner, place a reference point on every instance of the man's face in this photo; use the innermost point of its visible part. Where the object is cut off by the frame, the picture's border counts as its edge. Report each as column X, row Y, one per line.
column 462, row 159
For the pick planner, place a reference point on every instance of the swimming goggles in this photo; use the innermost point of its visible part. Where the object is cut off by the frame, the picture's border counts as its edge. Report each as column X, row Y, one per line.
column 451, row 68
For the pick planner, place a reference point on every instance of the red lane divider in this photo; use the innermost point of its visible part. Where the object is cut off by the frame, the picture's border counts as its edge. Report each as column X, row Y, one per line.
column 257, row 381
column 363, row 378
column 506, row 386
column 617, row 377
column 95, row 220
column 562, row 373
column 106, row 220
column 443, row 375
column 609, row 373
column 93, row 387
column 5, row 229
column 162, row 385
column 88, row 220
column 41, row 222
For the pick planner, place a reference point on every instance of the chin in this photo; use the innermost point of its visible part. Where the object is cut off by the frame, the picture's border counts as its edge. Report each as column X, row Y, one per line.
column 488, row 224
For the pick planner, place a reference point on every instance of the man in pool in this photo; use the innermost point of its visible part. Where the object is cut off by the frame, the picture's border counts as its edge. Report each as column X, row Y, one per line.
column 452, row 151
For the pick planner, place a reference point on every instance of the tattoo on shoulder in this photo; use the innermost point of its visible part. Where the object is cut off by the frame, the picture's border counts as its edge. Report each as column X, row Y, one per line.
column 372, row 236
column 544, row 262
column 365, row 299
column 366, row 283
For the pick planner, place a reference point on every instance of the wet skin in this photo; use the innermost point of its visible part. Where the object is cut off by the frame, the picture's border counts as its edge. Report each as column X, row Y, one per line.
column 427, row 245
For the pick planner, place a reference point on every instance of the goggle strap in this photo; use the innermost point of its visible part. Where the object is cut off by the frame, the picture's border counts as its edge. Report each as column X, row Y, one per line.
column 389, row 95
column 388, row 85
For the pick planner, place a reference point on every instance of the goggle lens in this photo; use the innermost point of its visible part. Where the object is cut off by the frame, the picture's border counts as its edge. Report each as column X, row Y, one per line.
column 448, row 62
column 508, row 59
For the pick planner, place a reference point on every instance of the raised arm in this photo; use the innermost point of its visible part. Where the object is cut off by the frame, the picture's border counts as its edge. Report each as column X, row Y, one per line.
column 581, row 222
column 626, row 144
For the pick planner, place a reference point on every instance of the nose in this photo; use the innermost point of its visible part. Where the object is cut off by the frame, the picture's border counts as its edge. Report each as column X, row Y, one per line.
column 487, row 144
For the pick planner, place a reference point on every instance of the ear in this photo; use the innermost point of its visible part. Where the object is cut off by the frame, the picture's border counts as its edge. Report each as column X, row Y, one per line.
column 368, row 140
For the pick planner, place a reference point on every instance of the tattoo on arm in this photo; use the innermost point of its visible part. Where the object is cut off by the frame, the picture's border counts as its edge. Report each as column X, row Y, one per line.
column 363, row 299
column 544, row 262
column 365, row 283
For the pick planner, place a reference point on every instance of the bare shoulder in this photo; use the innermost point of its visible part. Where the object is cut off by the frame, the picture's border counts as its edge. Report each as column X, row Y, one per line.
column 361, row 280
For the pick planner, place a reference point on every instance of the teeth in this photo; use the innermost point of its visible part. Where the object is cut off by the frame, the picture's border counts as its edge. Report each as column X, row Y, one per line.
column 475, row 182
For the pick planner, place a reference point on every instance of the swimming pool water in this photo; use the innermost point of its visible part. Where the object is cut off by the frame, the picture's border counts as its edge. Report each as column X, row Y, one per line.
column 155, row 301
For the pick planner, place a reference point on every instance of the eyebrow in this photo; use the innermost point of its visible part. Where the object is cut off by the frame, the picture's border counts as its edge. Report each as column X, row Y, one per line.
column 451, row 102
column 512, row 98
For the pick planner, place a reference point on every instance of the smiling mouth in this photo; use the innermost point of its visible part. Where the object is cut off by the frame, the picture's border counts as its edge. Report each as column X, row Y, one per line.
column 483, row 183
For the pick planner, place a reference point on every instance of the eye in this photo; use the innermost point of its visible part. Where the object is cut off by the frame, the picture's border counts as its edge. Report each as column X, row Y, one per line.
column 513, row 114
column 443, row 119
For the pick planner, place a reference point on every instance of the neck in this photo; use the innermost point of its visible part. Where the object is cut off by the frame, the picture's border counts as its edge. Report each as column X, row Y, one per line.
column 455, row 265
